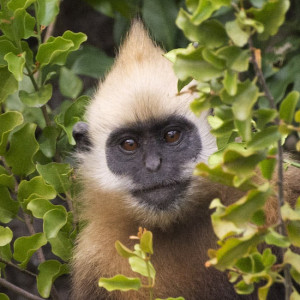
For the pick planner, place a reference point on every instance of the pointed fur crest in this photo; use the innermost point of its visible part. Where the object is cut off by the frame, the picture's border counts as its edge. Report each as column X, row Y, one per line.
column 138, row 46
column 140, row 85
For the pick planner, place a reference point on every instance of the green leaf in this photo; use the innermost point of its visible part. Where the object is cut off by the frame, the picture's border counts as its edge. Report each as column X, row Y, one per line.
column 190, row 63
column 236, row 58
column 248, row 22
column 6, row 180
column 206, row 8
column 70, row 85
column 246, row 96
column 48, row 272
column 47, row 11
column 90, row 61
column 62, row 246
column 264, row 116
column 54, row 221
column 295, row 275
column 3, row 297
column 8, row 84
column 288, row 107
column 236, row 33
column 244, row 129
column 297, row 116
column 245, row 264
column 40, row 206
column 241, row 162
column 21, row 27
column 15, row 4
column 139, row 265
column 293, row 259
column 213, row 59
column 226, row 127
column 288, row 213
column 57, row 175
column 146, row 242
column 275, row 10
column 23, row 147
column 123, row 250
column 243, row 288
column 192, row 5
column 264, row 138
column 230, row 82
column 274, row 238
column 35, row 187
column 25, row 246
column 56, row 50
column 6, row 236
column 263, row 291
column 16, row 64
column 159, row 16
column 199, row 105
column 235, row 248
column 38, row 98
column 242, row 211
column 295, row 295
column 268, row 165
column 215, row 174
column 121, row 283
column 210, row 33
column 8, row 207
column 8, row 121
column 72, row 115
column 286, row 76
column 48, row 141
column 105, row 7
column 6, row 46
column 293, row 230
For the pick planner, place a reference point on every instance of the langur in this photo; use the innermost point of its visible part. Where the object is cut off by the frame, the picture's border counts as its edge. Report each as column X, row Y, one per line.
column 140, row 147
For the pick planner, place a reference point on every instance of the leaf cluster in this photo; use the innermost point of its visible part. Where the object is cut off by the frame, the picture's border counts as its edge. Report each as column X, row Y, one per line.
column 225, row 66
column 139, row 261
column 36, row 178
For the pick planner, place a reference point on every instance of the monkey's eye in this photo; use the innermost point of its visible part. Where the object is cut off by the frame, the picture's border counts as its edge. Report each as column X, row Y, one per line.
column 172, row 136
column 129, row 145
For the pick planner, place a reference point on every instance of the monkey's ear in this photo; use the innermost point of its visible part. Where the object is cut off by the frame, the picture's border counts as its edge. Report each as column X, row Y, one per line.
column 80, row 134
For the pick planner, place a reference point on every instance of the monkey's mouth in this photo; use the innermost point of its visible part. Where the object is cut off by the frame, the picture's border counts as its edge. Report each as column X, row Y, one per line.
column 162, row 196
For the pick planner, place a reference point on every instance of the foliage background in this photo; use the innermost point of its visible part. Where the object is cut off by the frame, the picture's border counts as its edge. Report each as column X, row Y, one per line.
column 104, row 22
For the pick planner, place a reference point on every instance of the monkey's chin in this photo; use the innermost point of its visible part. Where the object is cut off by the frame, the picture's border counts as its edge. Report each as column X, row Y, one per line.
column 162, row 197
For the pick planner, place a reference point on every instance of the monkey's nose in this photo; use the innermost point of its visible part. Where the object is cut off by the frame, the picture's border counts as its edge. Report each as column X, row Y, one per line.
column 153, row 162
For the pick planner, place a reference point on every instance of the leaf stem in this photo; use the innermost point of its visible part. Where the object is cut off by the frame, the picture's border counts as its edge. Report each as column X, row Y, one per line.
column 38, row 25
column 18, row 290
column 149, row 279
column 281, row 226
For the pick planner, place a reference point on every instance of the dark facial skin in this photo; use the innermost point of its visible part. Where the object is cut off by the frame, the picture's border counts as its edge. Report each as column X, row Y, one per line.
column 153, row 154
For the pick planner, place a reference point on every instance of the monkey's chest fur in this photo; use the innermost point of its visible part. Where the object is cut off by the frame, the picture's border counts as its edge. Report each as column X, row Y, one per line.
column 179, row 256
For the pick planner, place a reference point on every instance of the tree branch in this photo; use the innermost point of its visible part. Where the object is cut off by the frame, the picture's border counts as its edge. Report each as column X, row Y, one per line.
column 17, row 267
column 281, row 227
column 18, row 290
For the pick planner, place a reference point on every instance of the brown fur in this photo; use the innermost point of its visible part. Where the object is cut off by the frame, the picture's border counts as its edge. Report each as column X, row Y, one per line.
column 180, row 247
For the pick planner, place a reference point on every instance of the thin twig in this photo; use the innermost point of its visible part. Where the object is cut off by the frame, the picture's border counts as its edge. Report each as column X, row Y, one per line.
column 281, row 226
column 17, row 267
column 40, row 253
column 18, row 290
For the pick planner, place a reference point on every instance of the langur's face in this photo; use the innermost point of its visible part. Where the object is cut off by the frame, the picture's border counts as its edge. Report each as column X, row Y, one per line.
column 153, row 155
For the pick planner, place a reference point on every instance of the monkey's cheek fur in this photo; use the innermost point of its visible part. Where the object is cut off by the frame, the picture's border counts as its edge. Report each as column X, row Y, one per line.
column 162, row 198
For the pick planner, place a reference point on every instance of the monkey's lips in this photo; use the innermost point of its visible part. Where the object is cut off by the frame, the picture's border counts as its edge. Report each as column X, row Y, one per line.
column 161, row 196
